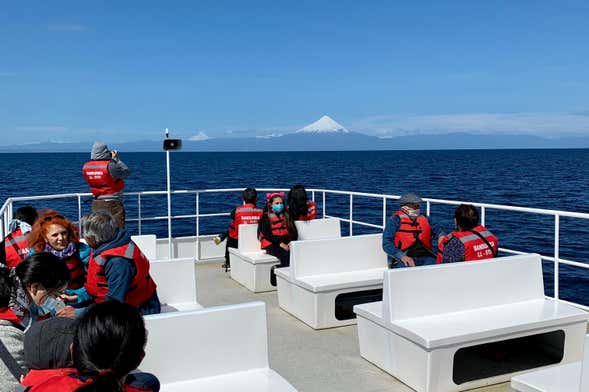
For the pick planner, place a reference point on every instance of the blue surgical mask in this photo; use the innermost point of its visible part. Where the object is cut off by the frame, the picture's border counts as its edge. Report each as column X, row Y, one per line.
column 51, row 305
column 277, row 208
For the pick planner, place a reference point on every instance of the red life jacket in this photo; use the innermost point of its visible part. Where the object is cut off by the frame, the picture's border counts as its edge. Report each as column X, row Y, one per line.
column 475, row 248
column 311, row 211
column 8, row 315
column 142, row 286
column 245, row 214
column 412, row 230
column 100, row 181
column 16, row 248
column 278, row 227
column 35, row 376
column 70, row 383
column 77, row 271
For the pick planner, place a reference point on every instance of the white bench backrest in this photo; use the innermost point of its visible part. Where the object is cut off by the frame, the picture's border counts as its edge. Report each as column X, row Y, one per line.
column 183, row 346
column 346, row 254
column 248, row 239
column 426, row 291
column 318, row 229
column 147, row 244
column 175, row 279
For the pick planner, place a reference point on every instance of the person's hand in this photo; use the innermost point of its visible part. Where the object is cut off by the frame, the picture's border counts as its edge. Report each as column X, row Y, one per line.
column 284, row 246
column 69, row 298
column 441, row 239
column 114, row 155
column 217, row 240
column 68, row 311
column 408, row 261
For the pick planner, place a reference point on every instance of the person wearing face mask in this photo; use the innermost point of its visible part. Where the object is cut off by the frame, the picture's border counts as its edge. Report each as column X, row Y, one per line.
column 15, row 247
column 408, row 235
column 470, row 242
column 276, row 230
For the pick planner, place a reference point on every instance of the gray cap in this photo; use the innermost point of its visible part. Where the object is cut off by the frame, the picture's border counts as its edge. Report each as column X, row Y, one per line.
column 409, row 198
column 100, row 151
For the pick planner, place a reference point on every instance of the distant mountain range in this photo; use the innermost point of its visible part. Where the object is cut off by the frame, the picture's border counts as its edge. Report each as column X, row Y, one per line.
column 327, row 135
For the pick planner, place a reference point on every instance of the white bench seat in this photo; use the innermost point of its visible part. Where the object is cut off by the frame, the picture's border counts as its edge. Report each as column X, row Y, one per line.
column 342, row 280
column 467, row 326
column 176, row 284
column 445, row 328
column 327, row 277
column 258, row 380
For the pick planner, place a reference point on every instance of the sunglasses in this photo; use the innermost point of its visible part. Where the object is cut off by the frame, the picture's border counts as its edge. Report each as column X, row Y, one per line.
column 51, row 217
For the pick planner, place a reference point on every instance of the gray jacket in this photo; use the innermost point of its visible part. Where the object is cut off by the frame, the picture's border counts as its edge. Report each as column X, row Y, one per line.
column 117, row 169
column 12, row 338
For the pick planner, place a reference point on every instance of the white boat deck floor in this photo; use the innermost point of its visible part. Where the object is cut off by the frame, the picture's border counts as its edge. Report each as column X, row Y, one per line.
column 325, row 360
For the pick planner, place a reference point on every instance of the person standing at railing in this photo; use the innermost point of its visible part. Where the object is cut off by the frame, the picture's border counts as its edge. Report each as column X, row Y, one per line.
column 247, row 213
column 105, row 174
column 408, row 235
column 299, row 206
column 276, row 230
column 117, row 269
column 15, row 247
column 470, row 242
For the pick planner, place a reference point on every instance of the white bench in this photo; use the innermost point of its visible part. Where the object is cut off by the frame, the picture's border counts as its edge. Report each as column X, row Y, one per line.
column 221, row 348
column 452, row 327
column 572, row 377
column 202, row 248
column 176, row 284
column 327, row 277
column 250, row 265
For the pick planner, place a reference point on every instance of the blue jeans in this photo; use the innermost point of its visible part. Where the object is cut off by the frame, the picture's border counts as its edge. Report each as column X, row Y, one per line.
column 419, row 261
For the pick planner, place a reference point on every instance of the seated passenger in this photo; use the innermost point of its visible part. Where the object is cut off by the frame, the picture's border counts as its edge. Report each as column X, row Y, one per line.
column 55, row 234
column 15, row 248
column 299, row 207
column 11, row 337
column 471, row 242
column 276, row 229
column 36, row 285
column 108, row 344
column 247, row 213
column 408, row 236
column 117, row 269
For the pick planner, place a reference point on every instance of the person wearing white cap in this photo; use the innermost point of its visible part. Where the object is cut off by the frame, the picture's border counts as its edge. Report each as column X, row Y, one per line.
column 408, row 235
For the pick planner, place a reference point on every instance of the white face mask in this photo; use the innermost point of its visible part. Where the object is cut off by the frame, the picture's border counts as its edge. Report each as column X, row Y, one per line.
column 411, row 212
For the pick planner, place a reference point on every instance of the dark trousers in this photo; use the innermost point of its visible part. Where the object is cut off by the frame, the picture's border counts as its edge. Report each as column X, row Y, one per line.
column 114, row 207
column 231, row 243
column 282, row 255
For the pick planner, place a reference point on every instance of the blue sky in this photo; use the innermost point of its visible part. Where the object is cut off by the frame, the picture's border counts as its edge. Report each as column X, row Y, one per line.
column 121, row 71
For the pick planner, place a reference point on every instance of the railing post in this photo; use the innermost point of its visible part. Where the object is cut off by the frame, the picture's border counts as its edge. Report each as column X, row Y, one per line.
column 556, row 254
column 324, row 206
column 483, row 220
column 351, row 212
column 139, row 213
column 427, row 208
column 313, row 195
column 384, row 212
column 79, row 213
column 197, row 207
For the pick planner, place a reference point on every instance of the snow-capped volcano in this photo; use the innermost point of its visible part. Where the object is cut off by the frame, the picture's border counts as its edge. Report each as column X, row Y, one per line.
column 324, row 125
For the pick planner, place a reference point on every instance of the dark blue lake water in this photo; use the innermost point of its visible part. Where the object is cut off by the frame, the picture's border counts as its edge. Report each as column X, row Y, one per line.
column 552, row 179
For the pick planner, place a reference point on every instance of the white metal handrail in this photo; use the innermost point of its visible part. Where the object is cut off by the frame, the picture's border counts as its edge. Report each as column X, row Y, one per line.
column 6, row 213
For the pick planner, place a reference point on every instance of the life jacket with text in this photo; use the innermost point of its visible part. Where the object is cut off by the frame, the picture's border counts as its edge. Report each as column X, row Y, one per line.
column 413, row 233
column 311, row 211
column 70, row 383
column 278, row 227
column 142, row 285
column 16, row 248
column 479, row 244
column 77, row 271
column 99, row 179
column 245, row 214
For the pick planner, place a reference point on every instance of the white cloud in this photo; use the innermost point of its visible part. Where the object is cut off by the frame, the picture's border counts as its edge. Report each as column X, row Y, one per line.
column 541, row 124
column 67, row 27
column 269, row 136
column 199, row 137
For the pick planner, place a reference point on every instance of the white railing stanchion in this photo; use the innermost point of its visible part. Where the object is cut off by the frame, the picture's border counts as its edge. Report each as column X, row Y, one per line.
column 427, row 208
column 483, row 217
column 197, row 207
column 556, row 254
column 139, row 213
column 313, row 195
column 351, row 213
column 80, row 213
column 324, row 206
column 384, row 212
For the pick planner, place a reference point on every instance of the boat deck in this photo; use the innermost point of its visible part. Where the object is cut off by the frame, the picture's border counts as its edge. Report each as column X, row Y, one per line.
column 324, row 360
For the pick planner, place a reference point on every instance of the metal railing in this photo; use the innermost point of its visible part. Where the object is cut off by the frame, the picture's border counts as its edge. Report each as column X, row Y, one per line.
column 6, row 213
